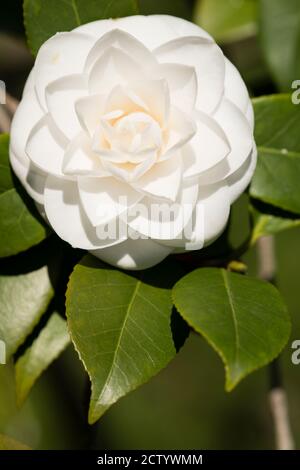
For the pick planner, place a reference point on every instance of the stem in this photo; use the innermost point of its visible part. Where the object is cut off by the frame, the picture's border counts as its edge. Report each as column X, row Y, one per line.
column 5, row 120
column 277, row 395
column 11, row 104
column 279, row 409
column 7, row 111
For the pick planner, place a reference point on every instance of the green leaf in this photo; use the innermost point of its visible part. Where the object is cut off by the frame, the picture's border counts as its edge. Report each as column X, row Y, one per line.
column 280, row 35
column 20, row 228
column 7, row 443
column 25, row 293
column 243, row 319
column 20, row 225
column 123, row 327
column 277, row 175
column 227, row 21
column 50, row 343
column 269, row 220
column 44, row 19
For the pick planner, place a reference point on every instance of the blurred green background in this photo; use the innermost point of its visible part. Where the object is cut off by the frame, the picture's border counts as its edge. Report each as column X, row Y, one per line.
column 185, row 406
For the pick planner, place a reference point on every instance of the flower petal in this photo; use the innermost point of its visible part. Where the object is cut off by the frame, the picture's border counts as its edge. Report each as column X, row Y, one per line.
column 63, row 54
column 61, row 96
column 162, row 180
column 235, row 89
column 134, row 254
column 238, row 181
column 215, row 201
column 122, row 42
column 163, row 220
column 113, row 68
column 250, row 115
column 66, row 216
column 208, row 220
column 130, row 172
column 29, row 84
column 106, row 198
column 238, row 132
column 207, row 148
column 208, row 60
column 142, row 27
column 79, row 159
column 97, row 28
column 182, row 27
column 125, row 100
column 46, row 146
column 181, row 130
column 182, row 81
column 31, row 178
column 155, row 94
column 27, row 115
column 89, row 111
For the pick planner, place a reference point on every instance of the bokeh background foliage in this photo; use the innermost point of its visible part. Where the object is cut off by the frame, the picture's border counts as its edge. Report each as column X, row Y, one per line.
column 185, row 405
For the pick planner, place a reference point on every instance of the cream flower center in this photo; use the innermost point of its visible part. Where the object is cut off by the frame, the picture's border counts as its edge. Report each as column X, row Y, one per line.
column 136, row 133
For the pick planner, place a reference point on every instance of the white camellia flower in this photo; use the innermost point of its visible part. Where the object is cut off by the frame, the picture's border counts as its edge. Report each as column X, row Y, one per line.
column 120, row 117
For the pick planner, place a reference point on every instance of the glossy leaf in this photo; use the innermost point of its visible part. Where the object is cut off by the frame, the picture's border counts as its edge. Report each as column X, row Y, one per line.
column 280, row 35
column 227, row 21
column 243, row 319
column 268, row 220
column 8, row 443
column 25, row 292
column 44, row 19
column 50, row 343
column 123, row 327
column 277, row 175
column 20, row 224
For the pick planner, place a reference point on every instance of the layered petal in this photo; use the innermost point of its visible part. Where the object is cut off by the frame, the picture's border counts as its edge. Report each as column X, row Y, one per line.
column 63, row 54
column 142, row 27
column 104, row 199
column 66, row 216
column 207, row 59
column 208, row 147
column 238, row 132
column 29, row 84
column 79, row 158
column 155, row 95
column 113, row 68
column 250, row 115
column 61, row 97
column 235, row 89
column 163, row 180
column 182, row 82
column 46, row 146
column 181, row 130
column 238, row 181
column 123, row 43
column 89, row 111
column 134, row 136
column 30, row 176
column 134, row 254
column 27, row 115
column 164, row 221
column 215, row 203
column 130, row 172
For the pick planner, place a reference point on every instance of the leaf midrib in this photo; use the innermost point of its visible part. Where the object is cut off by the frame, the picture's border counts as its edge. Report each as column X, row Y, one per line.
column 283, row 129
column 110, row 372
column 234, row 316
